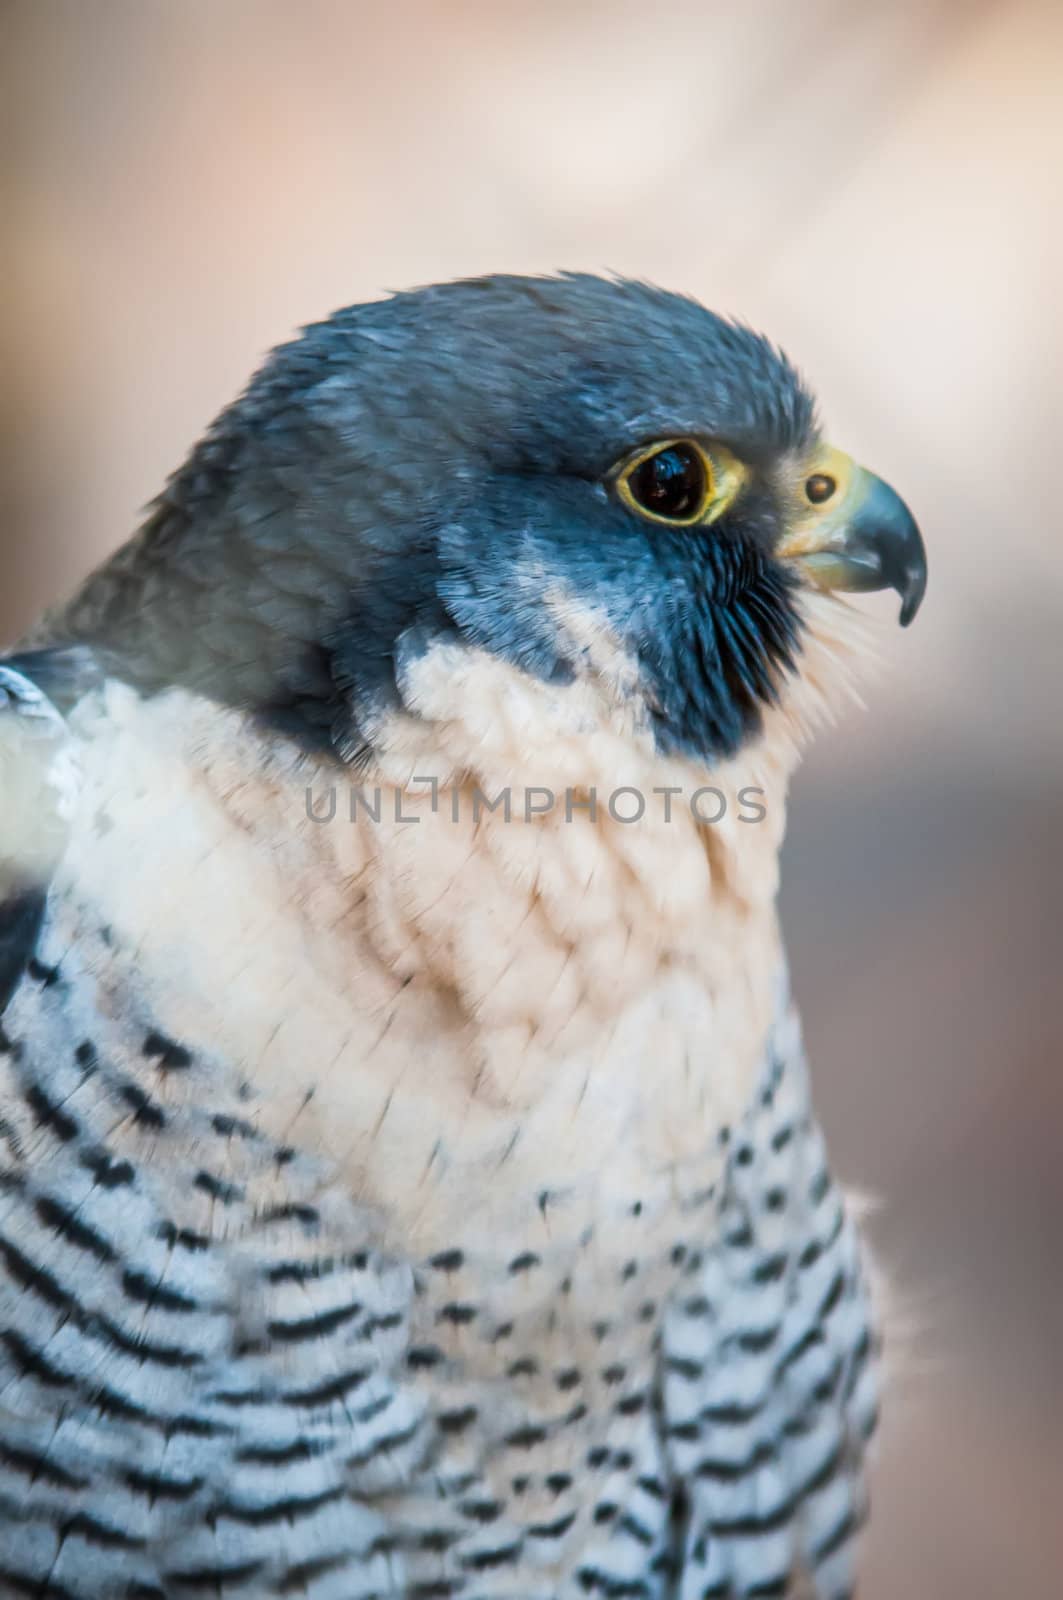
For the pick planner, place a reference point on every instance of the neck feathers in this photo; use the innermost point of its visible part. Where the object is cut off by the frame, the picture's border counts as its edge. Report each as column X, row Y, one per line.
column 443, row 989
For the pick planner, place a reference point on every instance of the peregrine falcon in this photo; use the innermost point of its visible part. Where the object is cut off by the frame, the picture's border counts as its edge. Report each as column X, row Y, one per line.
column 409, row 1187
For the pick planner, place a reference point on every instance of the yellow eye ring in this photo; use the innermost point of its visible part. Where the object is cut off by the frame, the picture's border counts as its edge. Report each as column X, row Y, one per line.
column 678, row 483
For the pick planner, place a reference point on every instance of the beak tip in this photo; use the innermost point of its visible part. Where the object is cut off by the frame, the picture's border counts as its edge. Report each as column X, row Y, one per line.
column 887, row 525
column 912, row 592
column 909, row 606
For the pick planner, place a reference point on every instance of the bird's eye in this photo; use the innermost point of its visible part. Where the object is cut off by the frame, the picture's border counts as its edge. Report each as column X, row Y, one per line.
column 672, row 482
column 680, row 482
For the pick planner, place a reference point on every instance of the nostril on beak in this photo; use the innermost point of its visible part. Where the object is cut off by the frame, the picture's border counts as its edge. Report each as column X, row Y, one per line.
column 819, row 487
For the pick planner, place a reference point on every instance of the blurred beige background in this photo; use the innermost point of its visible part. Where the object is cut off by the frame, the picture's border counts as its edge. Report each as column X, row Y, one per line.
column 879, row 187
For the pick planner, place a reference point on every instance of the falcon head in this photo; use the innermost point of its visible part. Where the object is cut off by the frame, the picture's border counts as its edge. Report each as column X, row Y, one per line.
column 586, row 481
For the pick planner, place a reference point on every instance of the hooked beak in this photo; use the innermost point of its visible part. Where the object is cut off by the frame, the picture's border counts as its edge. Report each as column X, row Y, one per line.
column 854, row 532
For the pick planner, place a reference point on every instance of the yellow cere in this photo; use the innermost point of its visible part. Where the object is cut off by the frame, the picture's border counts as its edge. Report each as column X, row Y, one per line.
column 819, row 490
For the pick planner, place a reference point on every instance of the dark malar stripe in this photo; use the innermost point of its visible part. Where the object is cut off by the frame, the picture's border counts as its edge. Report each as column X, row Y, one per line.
column 20, row 925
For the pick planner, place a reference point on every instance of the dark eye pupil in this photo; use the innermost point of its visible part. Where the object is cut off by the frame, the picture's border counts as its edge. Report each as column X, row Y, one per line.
column 671, row 483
